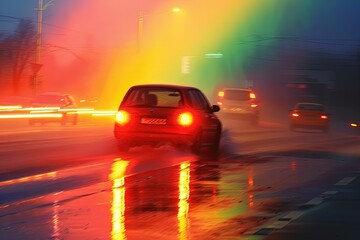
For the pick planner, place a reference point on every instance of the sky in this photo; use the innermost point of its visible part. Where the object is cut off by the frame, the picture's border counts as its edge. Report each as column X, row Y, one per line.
column 95, row 44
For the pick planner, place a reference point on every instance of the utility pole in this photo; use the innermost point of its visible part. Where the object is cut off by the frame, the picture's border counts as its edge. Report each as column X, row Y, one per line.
column 37, row 65
column 140, row 30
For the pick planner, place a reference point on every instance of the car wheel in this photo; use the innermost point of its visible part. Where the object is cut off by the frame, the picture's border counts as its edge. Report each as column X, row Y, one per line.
column 214, row 149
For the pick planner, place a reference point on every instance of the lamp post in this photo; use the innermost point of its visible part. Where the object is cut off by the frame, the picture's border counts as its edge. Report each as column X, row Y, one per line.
column 141, row 18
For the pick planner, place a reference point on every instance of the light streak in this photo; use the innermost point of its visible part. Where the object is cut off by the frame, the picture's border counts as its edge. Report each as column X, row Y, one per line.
column 250, row 181
column 41, row 108
column 104, row 113
column 118, row 202
column 10, row 107
column 55, row 220
column 33, row 178
column 183, row 204
column 37, row 115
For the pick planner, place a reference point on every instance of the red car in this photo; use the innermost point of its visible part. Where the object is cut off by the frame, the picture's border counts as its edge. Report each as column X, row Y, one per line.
column 156, row 114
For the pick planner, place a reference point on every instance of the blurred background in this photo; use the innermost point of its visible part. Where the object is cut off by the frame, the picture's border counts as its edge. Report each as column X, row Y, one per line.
column 288, row 51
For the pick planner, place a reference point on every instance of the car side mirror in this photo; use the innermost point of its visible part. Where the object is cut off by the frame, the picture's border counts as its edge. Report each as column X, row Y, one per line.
column 215, row 108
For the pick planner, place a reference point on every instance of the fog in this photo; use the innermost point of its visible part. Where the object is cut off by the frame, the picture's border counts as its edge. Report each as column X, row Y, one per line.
column 99, row 49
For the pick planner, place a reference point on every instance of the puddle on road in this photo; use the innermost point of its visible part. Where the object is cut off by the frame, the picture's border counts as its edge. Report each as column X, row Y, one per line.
column 162, row 195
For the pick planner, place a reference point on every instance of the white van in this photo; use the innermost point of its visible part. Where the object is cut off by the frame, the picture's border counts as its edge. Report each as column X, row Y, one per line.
column 240, row 102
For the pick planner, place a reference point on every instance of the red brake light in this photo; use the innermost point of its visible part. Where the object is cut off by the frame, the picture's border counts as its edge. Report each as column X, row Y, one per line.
column 252, row 95
column 122, row 117
column 353, row 124
column 221, row 94
column 185, row 119
column 295, row 114
column 323, row 117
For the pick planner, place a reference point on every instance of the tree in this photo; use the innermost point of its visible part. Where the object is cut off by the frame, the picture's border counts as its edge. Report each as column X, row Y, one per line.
column 17, row 50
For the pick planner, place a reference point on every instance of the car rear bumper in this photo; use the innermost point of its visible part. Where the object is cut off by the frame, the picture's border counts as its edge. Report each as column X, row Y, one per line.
column 154, row 138
column 240, row 115
column 310, row 123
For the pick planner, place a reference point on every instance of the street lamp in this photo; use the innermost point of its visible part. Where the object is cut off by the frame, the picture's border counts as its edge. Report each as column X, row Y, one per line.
column 141, row 23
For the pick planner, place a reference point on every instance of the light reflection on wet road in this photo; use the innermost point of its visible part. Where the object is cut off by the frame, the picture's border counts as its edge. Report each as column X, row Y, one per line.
column 166, row 193
column 187, row 198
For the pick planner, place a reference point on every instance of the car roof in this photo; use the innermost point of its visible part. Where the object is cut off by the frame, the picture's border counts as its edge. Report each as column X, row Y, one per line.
column 237, row 89
column 310, row 103
column 164, row 86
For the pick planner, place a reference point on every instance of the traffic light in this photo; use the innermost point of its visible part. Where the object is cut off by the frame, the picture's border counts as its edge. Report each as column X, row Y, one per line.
column 185, row 64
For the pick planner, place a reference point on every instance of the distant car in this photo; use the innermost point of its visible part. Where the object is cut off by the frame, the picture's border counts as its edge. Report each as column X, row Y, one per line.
column 15, row 101
column 355, row 127
column 62, row 103
column 240, row 102
column 155, row 114
column 309, row 116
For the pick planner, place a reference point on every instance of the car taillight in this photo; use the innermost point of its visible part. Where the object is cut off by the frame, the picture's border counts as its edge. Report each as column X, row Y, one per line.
column 323, row 117
column 252, row 95
column 253, row 105
column 295, row 114
column 353, row 125
column 122, row 117
column 221, row 94
column 185, row 119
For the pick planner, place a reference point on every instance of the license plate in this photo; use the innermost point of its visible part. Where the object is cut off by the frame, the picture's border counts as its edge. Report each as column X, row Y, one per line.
column 157, row 121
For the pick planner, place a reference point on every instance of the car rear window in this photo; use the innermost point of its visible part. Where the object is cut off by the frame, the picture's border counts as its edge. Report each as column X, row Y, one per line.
column 239, row 95
column 310, row 107
column 154, row 97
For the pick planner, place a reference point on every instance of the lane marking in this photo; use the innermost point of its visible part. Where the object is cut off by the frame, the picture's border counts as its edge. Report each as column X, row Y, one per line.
column 315, row 201
column 284, row 219
column 281, row 221
column 345, row 181
column 276, row 224
column 294, row 215
column 329, row 192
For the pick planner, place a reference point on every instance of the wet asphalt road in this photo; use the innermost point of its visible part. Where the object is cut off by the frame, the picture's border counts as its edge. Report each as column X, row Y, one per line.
column 267, row 183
